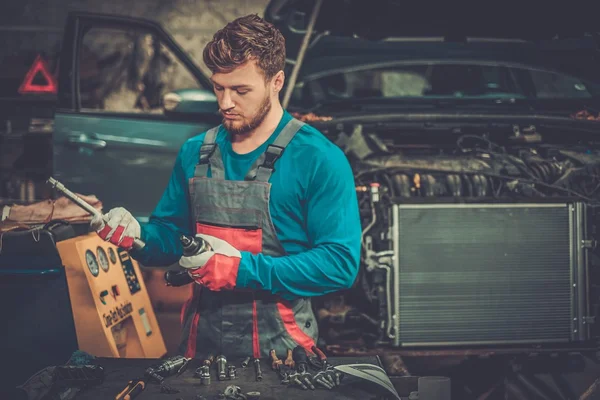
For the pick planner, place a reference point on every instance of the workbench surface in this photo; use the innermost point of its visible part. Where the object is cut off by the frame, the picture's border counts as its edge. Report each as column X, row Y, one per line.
column 118, row 372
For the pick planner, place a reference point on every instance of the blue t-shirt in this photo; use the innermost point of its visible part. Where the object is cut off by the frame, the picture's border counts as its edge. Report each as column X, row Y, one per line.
column 313, row 206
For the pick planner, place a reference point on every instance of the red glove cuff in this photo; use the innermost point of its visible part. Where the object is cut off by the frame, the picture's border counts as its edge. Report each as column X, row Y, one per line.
column 219, row 273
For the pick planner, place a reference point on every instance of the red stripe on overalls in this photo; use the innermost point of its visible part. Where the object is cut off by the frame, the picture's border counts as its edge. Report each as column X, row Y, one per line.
column 186, row 304
column 190, row 351
column 292, row 328
column 191, row 348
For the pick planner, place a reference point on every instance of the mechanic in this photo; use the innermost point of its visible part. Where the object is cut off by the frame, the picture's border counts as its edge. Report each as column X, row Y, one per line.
column 273, row 197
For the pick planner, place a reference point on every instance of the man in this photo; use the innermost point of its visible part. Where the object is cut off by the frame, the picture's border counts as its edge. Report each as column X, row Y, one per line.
column 273, row 197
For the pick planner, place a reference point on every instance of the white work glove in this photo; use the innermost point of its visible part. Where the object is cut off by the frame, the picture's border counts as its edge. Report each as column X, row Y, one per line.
column 217, row 268
column 117, row 227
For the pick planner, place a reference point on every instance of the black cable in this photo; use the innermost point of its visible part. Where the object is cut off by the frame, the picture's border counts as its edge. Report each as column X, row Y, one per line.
column 389, row 184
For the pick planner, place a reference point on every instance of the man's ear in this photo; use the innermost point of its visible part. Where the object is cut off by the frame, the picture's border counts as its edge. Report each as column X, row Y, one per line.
column 278, row 81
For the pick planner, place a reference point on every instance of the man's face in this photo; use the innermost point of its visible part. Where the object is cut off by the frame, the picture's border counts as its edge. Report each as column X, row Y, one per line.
column 244, row 97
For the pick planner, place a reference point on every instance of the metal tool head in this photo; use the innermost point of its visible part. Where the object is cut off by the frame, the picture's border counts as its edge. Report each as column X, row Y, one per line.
column 185, row 240
column 245, row 362
column 184, row 365
column 52, row 182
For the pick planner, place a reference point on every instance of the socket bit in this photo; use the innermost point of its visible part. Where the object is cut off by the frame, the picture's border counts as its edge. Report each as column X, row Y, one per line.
column 246, row 362
column 205, row 375
column 221, row 367
column 253, row 395
column 231, row 372
column 257, row 369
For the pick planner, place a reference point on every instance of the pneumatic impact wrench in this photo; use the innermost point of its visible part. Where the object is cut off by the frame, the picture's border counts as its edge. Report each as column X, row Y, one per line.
column 191, row 246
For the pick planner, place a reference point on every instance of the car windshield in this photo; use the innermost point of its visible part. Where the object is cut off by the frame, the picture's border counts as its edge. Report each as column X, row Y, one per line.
column 436, row 80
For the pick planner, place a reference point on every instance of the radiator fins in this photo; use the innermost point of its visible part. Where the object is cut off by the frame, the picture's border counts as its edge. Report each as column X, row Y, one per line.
column 484, row 274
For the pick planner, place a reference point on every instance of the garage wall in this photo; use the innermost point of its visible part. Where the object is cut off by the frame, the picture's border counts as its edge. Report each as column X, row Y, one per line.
column 36, row 25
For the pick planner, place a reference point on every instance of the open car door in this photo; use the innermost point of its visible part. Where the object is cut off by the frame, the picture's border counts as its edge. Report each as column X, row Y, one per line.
column 113, row 138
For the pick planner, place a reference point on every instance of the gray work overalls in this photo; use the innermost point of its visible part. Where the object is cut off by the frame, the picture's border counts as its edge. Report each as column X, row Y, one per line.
column 241, row 322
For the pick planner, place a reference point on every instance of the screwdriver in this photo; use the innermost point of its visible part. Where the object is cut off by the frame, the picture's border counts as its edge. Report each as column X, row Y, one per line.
column 326, row 366
column 134, row 388
column 300, row 358
column 289, row 361
column 322, row 356
column 276, row 362
column 283, row 371
column 257, row 370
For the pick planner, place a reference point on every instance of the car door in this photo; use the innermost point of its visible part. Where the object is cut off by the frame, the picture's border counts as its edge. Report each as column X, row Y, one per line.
column 112, row 137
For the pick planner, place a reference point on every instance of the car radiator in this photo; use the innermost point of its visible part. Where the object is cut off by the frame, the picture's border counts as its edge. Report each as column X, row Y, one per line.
column 478, row 274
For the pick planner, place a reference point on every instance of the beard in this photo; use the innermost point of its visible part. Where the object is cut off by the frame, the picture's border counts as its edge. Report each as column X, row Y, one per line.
column 244, row 126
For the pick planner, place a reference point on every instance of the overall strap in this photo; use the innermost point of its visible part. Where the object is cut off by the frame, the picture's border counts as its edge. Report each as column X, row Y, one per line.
column 207, row 153
column 265, row 164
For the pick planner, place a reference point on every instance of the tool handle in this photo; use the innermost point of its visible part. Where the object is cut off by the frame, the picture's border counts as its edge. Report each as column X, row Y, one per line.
column 137, row 389
column 209, row 360
column 178, row 278
column 275, row 362
column 319, row 353
column 289, row 361
column 299, row 355
column 132, row 390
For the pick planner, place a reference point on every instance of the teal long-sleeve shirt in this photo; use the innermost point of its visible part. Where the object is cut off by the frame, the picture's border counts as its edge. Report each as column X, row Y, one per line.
column 313, row 206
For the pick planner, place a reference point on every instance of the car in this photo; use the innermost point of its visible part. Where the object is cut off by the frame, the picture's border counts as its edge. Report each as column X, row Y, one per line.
column 112, row 134
column 473, row 137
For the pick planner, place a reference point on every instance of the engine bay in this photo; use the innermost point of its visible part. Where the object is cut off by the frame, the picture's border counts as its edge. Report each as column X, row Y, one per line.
column 473, row 168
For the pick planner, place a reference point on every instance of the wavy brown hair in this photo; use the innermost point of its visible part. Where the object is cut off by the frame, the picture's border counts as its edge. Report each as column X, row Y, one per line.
column 244, row 39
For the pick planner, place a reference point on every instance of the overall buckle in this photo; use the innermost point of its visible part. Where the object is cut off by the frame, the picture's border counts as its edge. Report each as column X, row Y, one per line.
column 206, row 150
column 271, row 155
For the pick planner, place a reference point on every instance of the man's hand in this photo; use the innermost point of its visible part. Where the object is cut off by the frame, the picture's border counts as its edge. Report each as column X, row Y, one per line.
column 216, row 269
column 118, row 227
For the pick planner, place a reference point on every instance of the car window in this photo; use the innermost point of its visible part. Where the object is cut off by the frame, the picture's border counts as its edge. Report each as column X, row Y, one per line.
column 441, row 80
column 128, row 71
column 549, row 85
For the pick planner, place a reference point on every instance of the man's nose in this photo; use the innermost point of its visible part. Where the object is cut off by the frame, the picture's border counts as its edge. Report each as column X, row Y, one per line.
column 226, row 101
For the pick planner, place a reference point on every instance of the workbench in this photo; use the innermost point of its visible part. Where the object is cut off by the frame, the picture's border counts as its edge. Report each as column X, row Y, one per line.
column 119, row 371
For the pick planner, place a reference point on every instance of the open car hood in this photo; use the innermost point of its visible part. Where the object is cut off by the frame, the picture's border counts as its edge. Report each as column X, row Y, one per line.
column 566, row 37
column 377, row 19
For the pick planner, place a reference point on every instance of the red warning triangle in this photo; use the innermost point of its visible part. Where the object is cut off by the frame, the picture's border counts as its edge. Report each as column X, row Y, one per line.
column 39, row 67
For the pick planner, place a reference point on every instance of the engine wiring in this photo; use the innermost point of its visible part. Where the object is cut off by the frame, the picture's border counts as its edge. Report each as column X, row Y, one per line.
column 522, row 167
column 488, row 174
column 534, row 172
column 491, row 145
